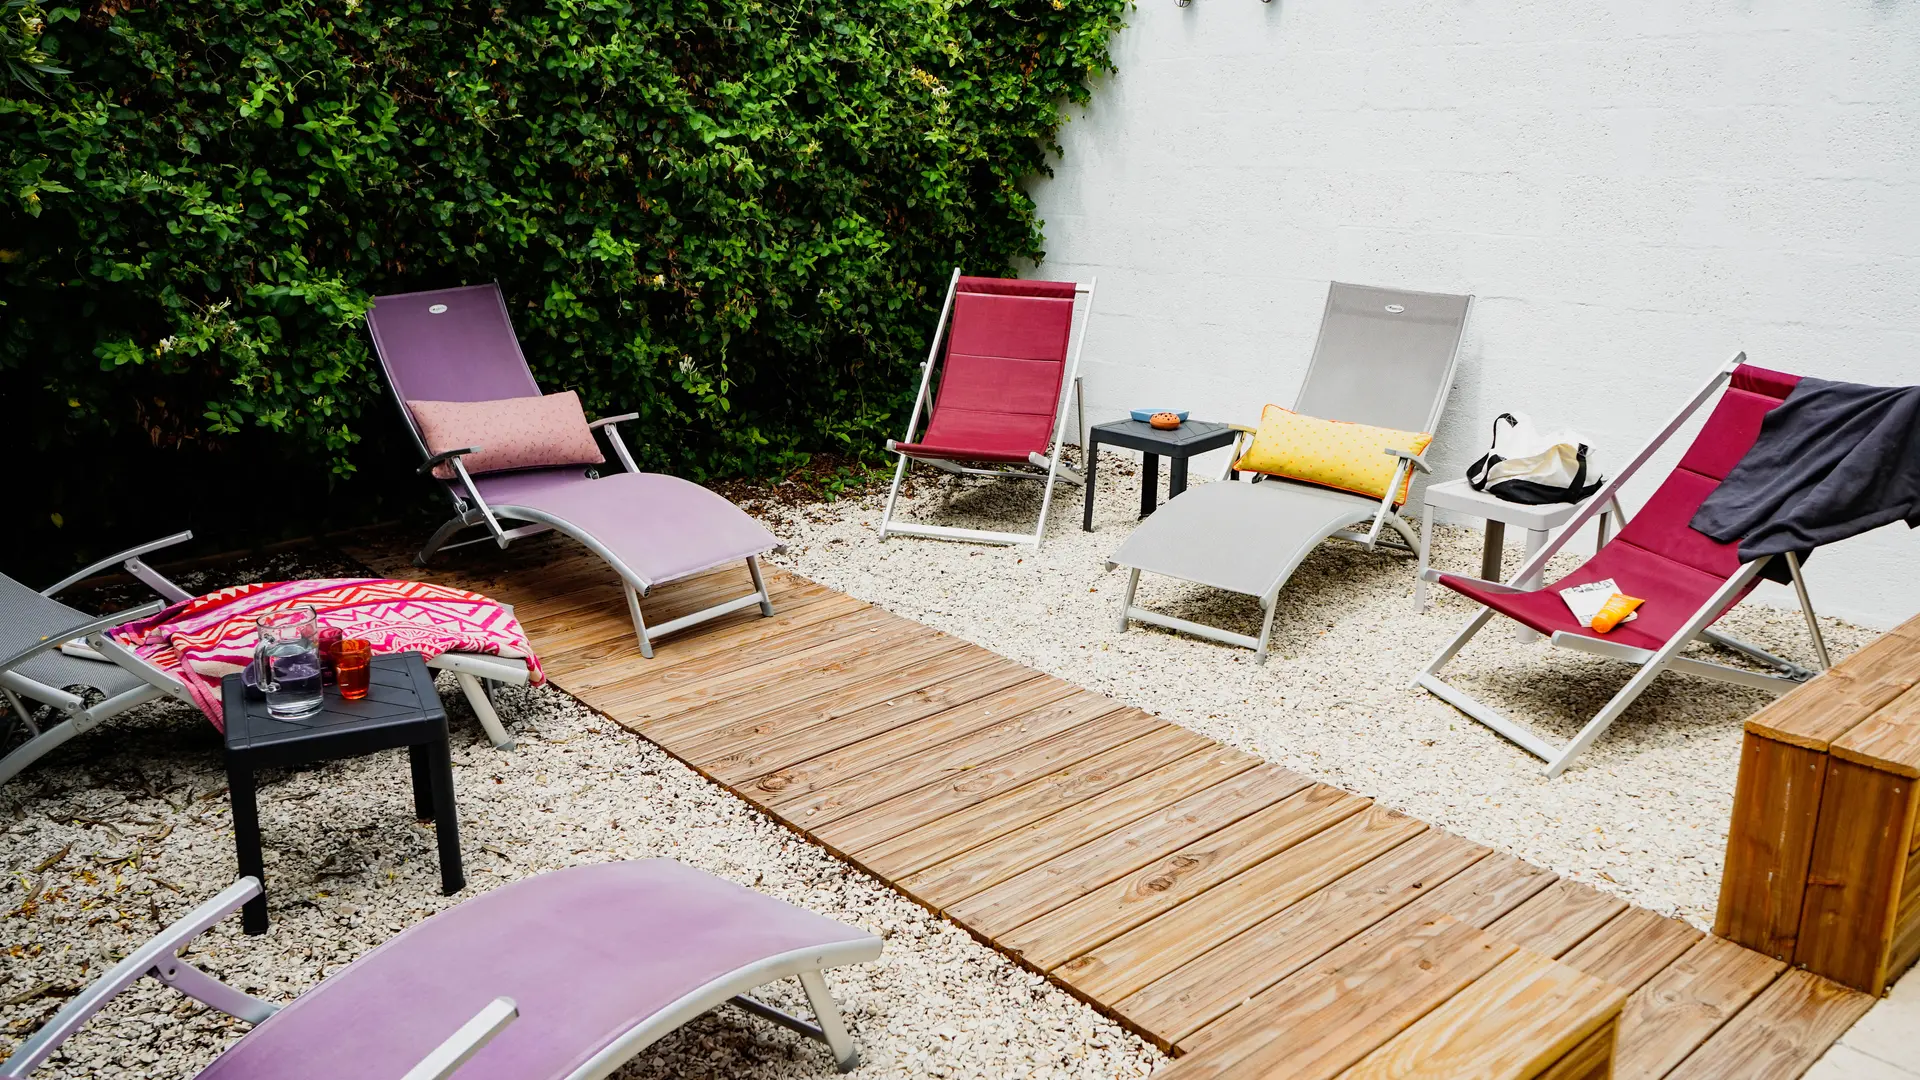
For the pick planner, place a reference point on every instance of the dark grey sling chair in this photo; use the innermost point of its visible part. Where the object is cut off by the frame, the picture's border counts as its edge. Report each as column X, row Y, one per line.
column 1385, row 357
column 33, row 670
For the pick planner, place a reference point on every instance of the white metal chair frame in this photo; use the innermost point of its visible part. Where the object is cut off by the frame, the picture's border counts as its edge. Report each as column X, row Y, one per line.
column 1049, row 462
column 1650, row 662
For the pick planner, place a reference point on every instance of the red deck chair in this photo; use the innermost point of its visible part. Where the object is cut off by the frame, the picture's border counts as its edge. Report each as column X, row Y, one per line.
column 1010, row 354
column 1688, row 580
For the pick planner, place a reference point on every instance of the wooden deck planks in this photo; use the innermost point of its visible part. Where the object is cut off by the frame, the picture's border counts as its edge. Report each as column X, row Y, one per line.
column 1002, row 813
column 1516, row 1021
column 1335, row 1014
column 1476, row 896
column 1678, row 1009
column 749, row 724
column 1559, row 917
column 1781, row 1034
column 988, row 864
column 1010, row 790
column 1128, row 963
column 804, row 742
column 1067, row 877
column 961, row 786
column 1205, row 988
column 1119, row 906
column 1252, row 922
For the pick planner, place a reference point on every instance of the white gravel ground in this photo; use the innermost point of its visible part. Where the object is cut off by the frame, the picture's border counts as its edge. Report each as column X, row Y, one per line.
column 1643, row 814
column 350, row 867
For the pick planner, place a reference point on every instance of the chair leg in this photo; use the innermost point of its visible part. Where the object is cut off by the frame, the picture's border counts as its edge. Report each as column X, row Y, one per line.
column 639, row 621
column 760, row 586
column 1126, row 598
column 1266, row 628
column 1605, row 717
column 482, row 702
column 1806, row 608
column 1452, row 648
column 1046, row 496
column 440, row 537
column 893, row 495
column 39, row 746
column 21, row 711
column 826, row 1013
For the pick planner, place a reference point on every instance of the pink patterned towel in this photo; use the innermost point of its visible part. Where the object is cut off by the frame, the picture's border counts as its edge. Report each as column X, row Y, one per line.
column 200, row 641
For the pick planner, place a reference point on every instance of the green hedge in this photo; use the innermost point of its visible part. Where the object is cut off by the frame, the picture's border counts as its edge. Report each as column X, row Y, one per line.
column 732, row 216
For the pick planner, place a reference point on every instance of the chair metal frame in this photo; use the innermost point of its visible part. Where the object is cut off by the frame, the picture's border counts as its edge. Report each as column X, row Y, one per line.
column 1049, row 464
column 1650, row 662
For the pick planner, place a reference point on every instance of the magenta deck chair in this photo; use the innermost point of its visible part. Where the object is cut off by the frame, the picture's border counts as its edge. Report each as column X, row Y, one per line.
column 1011, row 355
column 1687, row 580
column 651, row 528
column 561, row 976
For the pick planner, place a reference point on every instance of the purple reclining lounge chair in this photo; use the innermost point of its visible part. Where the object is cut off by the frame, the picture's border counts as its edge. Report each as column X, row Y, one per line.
column 459, row 345
column 596, row 963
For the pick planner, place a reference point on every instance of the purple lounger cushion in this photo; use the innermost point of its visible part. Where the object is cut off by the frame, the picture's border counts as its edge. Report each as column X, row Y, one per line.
column 587, row 953
column 660, row 526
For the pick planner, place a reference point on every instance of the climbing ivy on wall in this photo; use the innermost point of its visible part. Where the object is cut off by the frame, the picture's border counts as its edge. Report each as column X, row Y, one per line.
column 732, row 216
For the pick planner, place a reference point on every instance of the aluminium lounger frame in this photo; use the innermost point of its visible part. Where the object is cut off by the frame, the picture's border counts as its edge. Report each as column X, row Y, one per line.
column 1048, row 464
column 471, row 510
column 158, row 957
column 1651, row 662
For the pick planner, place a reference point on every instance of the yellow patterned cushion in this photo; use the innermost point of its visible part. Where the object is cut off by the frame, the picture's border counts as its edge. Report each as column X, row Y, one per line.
column 1331, row 453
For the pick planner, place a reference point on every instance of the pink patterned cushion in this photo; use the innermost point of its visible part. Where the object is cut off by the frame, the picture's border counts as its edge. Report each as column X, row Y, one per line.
column 512, row 433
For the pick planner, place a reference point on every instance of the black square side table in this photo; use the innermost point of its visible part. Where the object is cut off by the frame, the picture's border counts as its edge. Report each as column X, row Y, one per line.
column 1179, row 445
column 401, row 709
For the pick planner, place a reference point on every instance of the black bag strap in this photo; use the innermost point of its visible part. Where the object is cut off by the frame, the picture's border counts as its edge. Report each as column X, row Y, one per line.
column 1478, row 471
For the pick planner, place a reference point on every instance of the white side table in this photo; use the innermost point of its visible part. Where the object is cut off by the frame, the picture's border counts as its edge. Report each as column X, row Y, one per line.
column 1458, row 495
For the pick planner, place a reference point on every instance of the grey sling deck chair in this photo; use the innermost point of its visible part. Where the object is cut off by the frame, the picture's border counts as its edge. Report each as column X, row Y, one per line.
column 651, row 528
column 1385, row 357
column 33, row 670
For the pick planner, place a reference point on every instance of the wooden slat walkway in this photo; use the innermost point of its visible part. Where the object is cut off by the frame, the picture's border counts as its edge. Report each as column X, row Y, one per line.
column 1236, row 914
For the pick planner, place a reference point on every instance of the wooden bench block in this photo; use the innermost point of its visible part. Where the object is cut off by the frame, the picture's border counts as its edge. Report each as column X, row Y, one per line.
column 1823, row 853
column 1529, row 1018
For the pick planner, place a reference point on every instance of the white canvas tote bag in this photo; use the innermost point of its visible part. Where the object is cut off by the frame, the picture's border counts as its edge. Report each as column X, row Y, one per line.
column 1527, row 465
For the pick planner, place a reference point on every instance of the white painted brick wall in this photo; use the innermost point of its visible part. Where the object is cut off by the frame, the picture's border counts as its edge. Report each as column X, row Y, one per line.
column 1633, row 189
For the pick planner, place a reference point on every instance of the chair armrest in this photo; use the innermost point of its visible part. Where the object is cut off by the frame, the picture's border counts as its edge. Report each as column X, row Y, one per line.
column 611, row 423
column 150, row 958
column 463, row 1044
column 1432, row 575
column 443, row 457
column 130, row 555
column 1419, row 461
column 80, row 630
column 1240, row 430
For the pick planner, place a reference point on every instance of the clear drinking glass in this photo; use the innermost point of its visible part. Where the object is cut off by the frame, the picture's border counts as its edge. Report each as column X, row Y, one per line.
column 287, row 663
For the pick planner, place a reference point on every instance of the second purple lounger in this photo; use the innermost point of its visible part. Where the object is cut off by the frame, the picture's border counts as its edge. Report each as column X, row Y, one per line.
column 651, row 528
column 598, row 962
